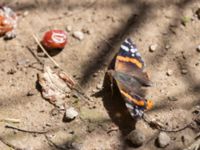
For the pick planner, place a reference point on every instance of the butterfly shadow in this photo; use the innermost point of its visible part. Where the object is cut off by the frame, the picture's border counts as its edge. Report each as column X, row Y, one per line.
column 115, row 105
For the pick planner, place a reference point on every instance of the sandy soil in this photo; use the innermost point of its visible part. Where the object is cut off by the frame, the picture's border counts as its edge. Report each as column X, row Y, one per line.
column 108, row 22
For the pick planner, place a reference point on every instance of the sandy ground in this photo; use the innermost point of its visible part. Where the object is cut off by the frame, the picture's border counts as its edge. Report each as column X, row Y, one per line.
column 108, row 22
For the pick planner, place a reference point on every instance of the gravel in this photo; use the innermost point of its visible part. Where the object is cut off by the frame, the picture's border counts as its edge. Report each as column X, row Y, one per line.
column 78, row 35
column 163, row 139
column 153, row 47
column 136, row 137
column 70, row 114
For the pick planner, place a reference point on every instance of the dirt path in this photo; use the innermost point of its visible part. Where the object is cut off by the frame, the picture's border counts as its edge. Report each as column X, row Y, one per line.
column 147, row 22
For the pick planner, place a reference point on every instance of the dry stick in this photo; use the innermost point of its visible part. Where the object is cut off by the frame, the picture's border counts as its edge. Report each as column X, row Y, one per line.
column 161, row 128
column 35, row 56
column 9, row 144
column 26, row 131
column 21, row 130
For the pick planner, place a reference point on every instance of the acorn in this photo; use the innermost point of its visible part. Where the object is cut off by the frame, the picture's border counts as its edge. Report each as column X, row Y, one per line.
column 54, row 41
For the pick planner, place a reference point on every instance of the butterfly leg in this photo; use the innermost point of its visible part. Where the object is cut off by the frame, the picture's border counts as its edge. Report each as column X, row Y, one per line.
column 111, row 81
column 111, row 86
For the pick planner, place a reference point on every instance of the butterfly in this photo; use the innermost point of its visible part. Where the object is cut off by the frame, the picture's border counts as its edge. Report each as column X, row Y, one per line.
column 130, row 78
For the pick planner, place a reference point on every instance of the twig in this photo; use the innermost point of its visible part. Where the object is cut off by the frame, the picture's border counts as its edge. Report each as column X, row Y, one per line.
column 112, row 129
column 197, row 136
column 27, row 131
column 81, row 92
column 52, row 143
column 9, row 144
column 35, row 56
column 194, row 146
column 159, row 127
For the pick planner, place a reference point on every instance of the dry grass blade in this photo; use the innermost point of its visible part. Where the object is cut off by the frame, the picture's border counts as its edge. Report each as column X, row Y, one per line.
column 23, row 130
column 160, row 127
column 194, row 146
column 10, row 120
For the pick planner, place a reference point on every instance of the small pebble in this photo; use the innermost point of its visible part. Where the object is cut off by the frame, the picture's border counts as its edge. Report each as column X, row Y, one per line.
column 167, row 46
column 9, row 35
column 169, row 72
column 23, row 62
column 184, row 71
column 153, row 47
column 94, row 91
column 31, row 93
column 70, row 132
column 163, row 139
column 136, row 137
column 86, row 31
column 172, row 98
column 198, row 48
column 75, row 95
column 78, row 35
column 59, row 104
column 54, row 112
column 99, row 86
column 162, row 91
column 186, row 139
column 11, row 71
column 25, row 13
column 69, row 28
column 197, row 64
column 95, row 74
column 40, row 54
column 70, row 114
column 48, row 124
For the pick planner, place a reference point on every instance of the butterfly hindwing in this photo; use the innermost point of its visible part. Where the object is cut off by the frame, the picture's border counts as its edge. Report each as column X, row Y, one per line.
column 127, row 83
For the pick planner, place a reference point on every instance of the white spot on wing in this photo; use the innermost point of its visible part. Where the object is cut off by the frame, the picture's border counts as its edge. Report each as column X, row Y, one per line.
column 133, row 50
column 129, row 106
column 126, row 41
column 138, row 54
column 125, row 48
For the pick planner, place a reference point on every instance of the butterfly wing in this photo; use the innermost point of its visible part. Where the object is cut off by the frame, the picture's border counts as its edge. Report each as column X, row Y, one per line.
column 130, row 89
column 127, row 83
column 130, row 61
column 130, row 77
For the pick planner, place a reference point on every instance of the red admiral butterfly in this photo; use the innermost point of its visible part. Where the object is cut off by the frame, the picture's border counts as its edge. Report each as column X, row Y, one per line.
column 129, row 76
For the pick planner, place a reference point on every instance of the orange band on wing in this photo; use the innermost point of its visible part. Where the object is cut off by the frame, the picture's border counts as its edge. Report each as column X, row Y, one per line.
column 139, row 103
column 132, row 60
